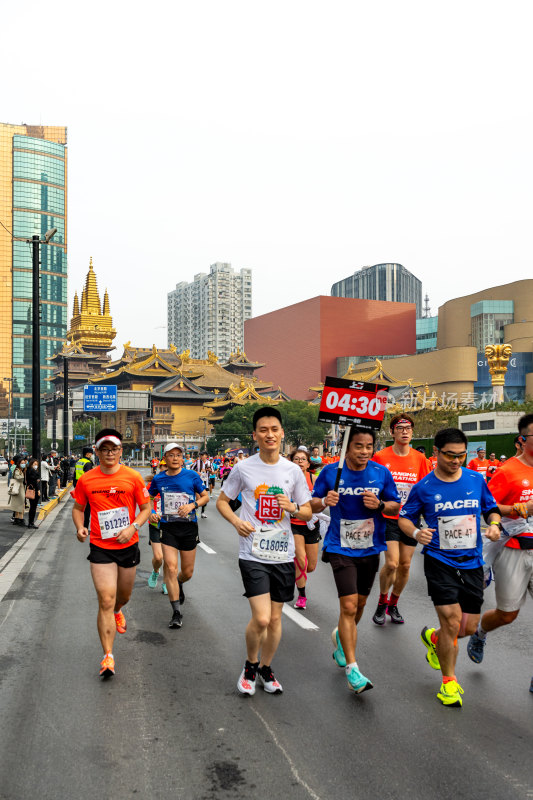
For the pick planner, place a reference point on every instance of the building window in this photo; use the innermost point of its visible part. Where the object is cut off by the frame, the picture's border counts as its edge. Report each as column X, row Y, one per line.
column 469, row 426
column 486, row 425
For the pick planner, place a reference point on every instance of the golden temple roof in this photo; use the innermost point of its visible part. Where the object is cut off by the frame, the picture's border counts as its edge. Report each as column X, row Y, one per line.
column 240, row 359
column 91, row 325
column 376, row 374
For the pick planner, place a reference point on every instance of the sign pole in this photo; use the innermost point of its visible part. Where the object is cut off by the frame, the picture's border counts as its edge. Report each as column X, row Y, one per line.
column 342, row 456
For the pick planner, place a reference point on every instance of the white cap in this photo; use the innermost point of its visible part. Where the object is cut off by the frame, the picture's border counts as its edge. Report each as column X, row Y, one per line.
column 304, row 448
column 240, row 453
column 172, row 446
column 112, row 439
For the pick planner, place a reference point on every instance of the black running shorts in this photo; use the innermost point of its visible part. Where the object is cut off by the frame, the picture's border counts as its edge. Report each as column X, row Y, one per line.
column 277, row 580
column 125, row 557
column 353, row 574
column 448, row 585
column 394, row 534
column 311, row 537
column 181, row 535
column 154, row 533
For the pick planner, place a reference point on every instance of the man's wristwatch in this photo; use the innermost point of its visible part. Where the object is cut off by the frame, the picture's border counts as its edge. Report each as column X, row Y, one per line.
column 136, row 526
column 296, row 510
column 381, row 507
column 196, row 504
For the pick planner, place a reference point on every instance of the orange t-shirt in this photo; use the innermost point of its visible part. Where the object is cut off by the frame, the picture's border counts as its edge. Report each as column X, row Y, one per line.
column 513, row 483
column 406, row 470
column 479, row 465
column 309, row 480
column 432, row 461
column 113, row 500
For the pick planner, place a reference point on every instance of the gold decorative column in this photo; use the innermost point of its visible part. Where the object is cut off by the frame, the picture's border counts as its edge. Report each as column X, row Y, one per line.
column 498, row 356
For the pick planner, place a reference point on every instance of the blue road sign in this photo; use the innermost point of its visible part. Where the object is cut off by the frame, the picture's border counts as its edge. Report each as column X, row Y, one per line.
column 99, row 398
column 79, row 436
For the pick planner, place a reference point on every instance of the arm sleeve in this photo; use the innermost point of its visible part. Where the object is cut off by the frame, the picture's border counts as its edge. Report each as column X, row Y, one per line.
column 141, row 492
column 153, row 489
column 79, row 494
column 390, row 492
column 413, row 508
column 488, row 503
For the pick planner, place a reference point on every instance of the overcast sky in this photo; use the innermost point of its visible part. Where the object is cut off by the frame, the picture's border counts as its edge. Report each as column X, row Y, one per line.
column 303, row 140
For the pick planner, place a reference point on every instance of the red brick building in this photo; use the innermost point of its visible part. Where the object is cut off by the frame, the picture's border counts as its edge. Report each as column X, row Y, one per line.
column 300, row 343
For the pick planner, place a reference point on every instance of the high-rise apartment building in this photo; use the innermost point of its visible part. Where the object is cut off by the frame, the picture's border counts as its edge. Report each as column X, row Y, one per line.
column 33, row 199
column 382, row 282
column 209, row 313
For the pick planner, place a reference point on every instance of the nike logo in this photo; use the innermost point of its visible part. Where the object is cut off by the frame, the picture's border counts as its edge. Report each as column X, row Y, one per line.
column 372, row 481
column 470, row 492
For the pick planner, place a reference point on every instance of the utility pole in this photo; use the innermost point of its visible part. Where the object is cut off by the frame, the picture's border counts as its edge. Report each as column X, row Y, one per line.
column 65, row 407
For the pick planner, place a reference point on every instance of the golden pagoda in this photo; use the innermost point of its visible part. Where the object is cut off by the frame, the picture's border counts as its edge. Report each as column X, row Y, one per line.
column 91, row 325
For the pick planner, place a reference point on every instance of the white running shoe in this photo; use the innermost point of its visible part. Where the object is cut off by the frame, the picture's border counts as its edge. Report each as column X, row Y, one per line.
column 270, row 684
column 246, row 682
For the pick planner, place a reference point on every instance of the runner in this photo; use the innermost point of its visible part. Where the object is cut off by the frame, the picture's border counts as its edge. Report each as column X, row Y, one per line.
column 355, row 538
column 154, row 534
column 451, row 500
column 84, row 464
column 266, row 544
column 407, row 467
column 433, row 458
column 113, row 492
column 203, row 467
column 306, row 535
column 512, row 487
column 182, row 492
column 492, row 465
column 480, row 463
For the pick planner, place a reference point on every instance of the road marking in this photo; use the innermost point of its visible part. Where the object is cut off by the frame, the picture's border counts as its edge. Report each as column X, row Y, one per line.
column 207, row 549
column 299, row 619
column 16, row 559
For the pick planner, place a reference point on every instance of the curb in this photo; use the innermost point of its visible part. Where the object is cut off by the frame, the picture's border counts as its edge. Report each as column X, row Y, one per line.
column 48, row 507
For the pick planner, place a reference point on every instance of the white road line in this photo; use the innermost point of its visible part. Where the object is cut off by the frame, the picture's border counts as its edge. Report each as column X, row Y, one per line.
column 207, row 549
column 299, row 619
column 16, row 558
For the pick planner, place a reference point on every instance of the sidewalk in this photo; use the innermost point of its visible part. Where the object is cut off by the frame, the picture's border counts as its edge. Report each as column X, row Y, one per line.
column 42, row 510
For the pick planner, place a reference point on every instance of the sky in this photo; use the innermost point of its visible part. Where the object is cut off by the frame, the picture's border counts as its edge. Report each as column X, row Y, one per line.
column 303, row 140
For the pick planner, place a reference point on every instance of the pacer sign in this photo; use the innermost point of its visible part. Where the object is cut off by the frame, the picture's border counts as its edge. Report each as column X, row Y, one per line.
column 348, row 402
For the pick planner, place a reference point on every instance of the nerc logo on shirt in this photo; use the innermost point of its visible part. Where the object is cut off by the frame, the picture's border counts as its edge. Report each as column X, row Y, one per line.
column 449, row 506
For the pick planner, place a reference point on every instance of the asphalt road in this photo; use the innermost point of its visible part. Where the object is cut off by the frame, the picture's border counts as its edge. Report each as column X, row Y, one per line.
column 171, row 723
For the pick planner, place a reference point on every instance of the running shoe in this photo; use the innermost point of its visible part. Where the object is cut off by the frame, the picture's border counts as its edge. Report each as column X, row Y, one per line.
column 338, row 654
column 301, row 603
column 107, row 666
column 450, row 694
column 395, row 615
column 120, row 622
column 246, row 682
column 431, row 655
column 270, row 684
column 379, row 616
column 475, row 648
column 164, row 589
column 176, row 621
column 203, row 516
column 357, row 681
column 182, row 593
column 152, row 580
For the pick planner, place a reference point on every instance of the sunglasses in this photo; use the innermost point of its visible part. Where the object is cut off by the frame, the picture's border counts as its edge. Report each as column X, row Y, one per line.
column 453, row 456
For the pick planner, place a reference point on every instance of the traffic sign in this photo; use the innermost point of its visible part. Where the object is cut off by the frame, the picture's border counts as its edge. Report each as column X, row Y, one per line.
column 99, row 398
column 79, row 436
column 143, row 446
column 348, row 402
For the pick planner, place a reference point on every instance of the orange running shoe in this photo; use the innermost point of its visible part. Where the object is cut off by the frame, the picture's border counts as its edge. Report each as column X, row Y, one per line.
column 107, row 666
column 120, row 622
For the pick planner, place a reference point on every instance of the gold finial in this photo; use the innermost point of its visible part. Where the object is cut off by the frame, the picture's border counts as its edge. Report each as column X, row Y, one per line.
column 106, row 311
column 211, row 357
column 241, row 383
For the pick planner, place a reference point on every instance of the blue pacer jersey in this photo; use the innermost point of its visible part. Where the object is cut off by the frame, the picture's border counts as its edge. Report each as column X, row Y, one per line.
column 354, row 529
column 454, row 510
column 176, row 490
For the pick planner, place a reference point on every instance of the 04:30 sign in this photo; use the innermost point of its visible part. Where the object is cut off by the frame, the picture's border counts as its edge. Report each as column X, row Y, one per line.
column 361, row 405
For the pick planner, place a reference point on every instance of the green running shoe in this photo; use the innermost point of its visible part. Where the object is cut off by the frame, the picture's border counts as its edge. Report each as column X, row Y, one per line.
column 431, row 655
column 357, row 681
column 152, row 580
column 164, row 589
column 338, row 654
column 450, row 694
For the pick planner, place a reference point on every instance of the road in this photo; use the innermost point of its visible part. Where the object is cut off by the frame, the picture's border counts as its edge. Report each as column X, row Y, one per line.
column 171, row 723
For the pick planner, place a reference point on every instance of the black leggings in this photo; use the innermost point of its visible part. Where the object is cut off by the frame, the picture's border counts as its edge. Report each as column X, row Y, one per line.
column 33, row 510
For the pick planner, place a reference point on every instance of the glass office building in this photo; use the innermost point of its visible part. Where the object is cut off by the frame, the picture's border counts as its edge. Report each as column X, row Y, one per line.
column 33, row 199
column 488, row 319
column 426, row 334
column 382, row 282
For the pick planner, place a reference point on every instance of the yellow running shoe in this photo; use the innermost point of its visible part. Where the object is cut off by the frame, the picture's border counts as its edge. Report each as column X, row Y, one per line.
column 450, row 694
column 431, row 655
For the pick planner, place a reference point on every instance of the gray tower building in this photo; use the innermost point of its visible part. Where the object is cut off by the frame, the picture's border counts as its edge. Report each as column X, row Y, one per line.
column 209, row 313
column 382, row 282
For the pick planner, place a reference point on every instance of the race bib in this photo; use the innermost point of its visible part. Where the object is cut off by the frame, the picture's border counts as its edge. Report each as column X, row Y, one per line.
column 271, row 544
column 357, row 534
column 203, row 476
column 457, row 533
column 112, row 521
column 172, row 501
column 404, row 490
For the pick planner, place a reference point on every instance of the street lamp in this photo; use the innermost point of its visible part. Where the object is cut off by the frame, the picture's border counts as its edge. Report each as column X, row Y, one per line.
column 35, row 242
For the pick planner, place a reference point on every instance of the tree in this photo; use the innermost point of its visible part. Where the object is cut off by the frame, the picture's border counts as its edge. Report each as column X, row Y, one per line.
column 299, row 421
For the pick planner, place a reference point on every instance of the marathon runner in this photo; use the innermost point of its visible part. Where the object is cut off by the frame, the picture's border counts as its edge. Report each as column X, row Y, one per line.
column 479, row 464
column 512, row 487
column 203, row 467
column 407, row 467
column 492, row 466
column 266, row 482
column 306, row 535
column 182, row 492
column 154, row 534
column 113, row 493
column 451, row 500
column 355, row 538
column 433, row 458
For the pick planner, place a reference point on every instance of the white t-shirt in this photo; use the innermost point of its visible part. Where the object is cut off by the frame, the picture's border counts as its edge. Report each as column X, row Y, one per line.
column 258, row 483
